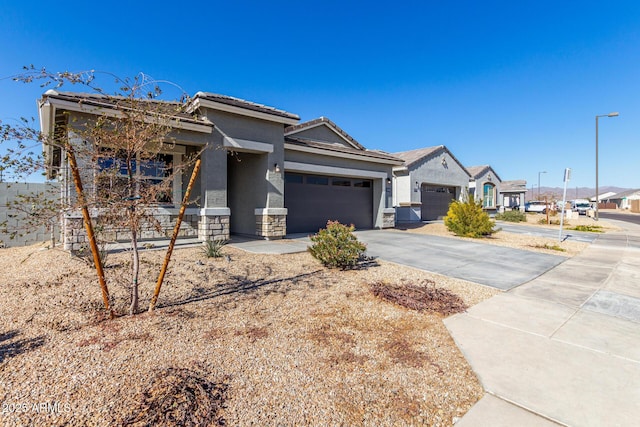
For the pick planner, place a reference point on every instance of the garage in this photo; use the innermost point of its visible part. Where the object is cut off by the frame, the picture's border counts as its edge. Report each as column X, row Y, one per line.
column 311, row 200
column 435, row 201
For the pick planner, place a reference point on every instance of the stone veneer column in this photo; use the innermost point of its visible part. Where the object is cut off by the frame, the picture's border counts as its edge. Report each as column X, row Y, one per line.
column 214, row 224
column 388, row 218
column 271, row 223
column 74, row 235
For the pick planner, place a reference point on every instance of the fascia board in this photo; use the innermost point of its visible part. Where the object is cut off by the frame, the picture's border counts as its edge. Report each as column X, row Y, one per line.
column 332, row 170
column 247, row 146
column 313, row 150
column 205, row 103
column 109, row 112
column 45, row 114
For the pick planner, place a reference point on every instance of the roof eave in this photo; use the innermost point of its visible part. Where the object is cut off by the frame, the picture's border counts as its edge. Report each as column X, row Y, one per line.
column 200, row 102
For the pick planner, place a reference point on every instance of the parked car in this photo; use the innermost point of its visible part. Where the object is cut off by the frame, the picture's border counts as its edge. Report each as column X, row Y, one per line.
column 535, row 206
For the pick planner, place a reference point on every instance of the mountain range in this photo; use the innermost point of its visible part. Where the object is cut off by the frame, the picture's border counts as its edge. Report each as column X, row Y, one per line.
column 572, row 192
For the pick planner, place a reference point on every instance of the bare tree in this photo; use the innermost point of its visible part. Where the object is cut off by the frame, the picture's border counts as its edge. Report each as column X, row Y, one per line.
column 116, row 153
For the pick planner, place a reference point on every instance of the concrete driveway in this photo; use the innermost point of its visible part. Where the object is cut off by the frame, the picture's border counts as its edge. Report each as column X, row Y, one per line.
column 490, row 265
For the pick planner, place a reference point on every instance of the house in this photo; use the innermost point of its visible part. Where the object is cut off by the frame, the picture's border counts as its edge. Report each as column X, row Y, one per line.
column 629, row 200
column 512, row 194
column 485, row 185
column 263, row 172
column 426, row 183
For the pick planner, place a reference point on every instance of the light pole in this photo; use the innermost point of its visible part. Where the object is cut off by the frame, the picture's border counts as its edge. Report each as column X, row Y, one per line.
column 614, row 114
column 539, row 183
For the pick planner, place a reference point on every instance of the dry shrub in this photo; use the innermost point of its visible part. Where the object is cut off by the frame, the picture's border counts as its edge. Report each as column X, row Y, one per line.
column 425, row 297
column 180, row 397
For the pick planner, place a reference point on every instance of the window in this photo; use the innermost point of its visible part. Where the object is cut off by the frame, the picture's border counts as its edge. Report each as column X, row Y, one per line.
column 112, row 176
column 293, row 178
column 488, row 196
column 317, row 180
column 363, row 183
column 341, row 182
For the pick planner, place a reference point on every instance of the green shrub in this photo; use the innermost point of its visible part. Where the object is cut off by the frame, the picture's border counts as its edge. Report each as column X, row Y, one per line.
column 588, row 228
column 512, row 216
column 550, row 247
column 467, row 219
column 336, row 246
column 213, row 248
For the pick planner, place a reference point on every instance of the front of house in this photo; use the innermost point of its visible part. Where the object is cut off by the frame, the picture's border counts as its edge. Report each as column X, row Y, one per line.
column 485, row 185
column 263, row 172
column 425, row 185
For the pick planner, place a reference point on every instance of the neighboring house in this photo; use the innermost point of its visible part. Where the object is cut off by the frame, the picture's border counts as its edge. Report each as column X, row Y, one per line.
column 484, row 185
column 263, row 173
column 626, row 200
column 512, row 194
column 428, row 181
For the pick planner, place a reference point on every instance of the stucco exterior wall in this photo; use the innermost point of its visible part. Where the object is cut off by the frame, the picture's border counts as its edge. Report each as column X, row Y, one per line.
column 433, row 171
column 322, row 133
column 245, row 179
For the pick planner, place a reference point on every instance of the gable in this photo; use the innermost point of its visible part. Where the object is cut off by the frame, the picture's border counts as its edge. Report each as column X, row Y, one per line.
column 323, row 130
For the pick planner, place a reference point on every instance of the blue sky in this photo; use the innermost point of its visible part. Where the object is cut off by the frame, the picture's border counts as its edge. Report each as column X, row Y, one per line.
column 513, row 84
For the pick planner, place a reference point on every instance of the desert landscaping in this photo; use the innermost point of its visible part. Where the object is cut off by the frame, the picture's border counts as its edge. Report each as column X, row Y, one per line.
column 237, row 340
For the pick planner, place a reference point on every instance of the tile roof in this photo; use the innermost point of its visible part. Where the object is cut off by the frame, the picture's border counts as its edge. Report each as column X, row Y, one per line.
column 374, row 154
column 171, row 108
column 477, row 171
column 623, row 194
column 237, row 102
column 413, row 156
column 515, row 186
column 323, row 120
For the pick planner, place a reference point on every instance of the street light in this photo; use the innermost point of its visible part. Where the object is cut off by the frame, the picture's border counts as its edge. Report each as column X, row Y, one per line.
column 539, row 183
column 614, row 114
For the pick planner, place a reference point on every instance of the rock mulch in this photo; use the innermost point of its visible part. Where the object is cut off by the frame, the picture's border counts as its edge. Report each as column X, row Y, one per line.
column 246, row 339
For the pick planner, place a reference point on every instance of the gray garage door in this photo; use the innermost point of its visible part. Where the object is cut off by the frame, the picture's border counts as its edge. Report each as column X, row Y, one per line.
column 312, row 200
column 435, row 201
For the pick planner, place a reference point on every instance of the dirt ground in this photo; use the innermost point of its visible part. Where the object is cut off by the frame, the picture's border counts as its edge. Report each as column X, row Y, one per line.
column 242, row 340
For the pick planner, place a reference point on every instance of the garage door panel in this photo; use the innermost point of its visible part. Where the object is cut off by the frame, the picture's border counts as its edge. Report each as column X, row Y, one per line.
column 310, row 205
column 435, row 201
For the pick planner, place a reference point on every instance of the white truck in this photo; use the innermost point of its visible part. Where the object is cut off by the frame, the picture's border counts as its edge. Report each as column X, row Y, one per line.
column 581, row 206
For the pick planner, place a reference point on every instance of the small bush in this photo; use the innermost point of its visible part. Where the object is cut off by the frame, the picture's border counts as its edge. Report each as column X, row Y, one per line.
column 336, row 246
column 512, row 216
column 467, row 219
column 550, row 247
column 588, row 228
column 213, row 248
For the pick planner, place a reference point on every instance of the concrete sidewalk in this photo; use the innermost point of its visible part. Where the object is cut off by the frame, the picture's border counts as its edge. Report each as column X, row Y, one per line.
column 563, row 348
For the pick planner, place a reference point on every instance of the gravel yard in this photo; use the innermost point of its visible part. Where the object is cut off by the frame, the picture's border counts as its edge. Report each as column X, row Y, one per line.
column 243, row 340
